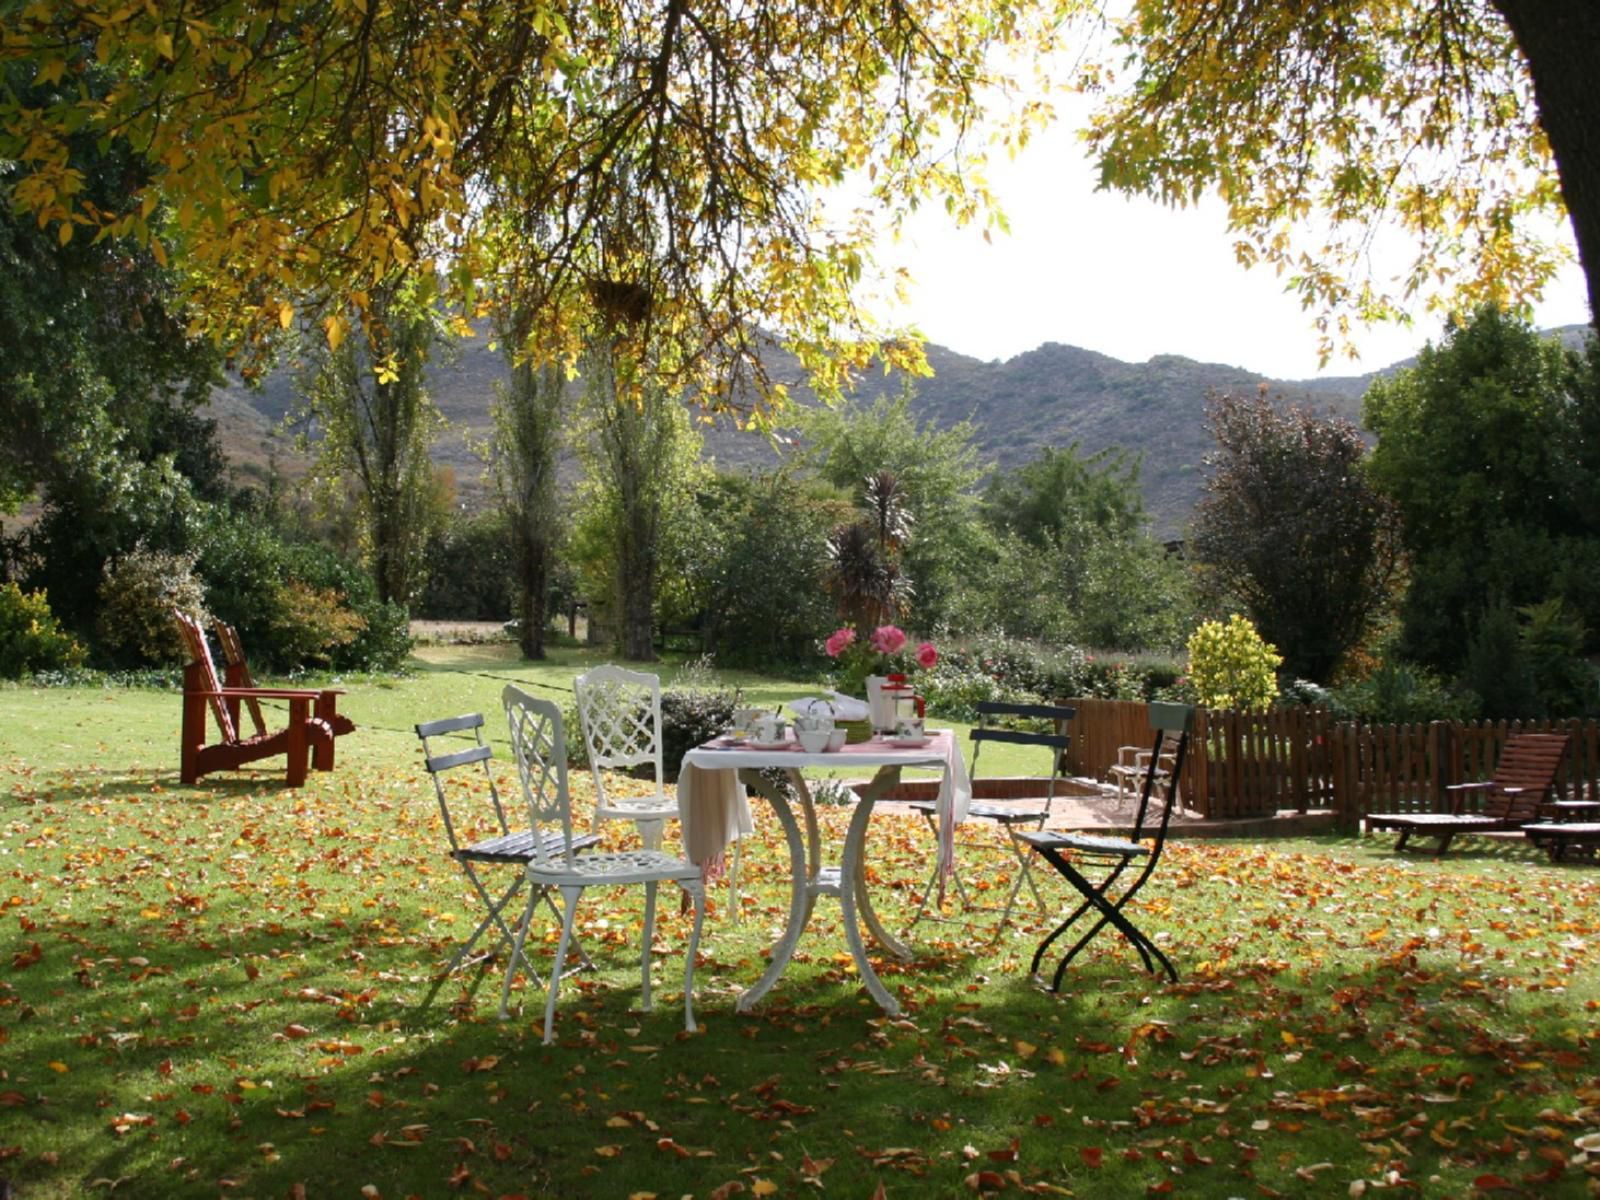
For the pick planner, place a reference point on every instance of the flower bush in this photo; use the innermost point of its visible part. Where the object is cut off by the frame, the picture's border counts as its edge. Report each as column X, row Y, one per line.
column 882, row 652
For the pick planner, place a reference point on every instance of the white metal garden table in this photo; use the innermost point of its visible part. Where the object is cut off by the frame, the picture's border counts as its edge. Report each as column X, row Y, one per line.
column 710, row 799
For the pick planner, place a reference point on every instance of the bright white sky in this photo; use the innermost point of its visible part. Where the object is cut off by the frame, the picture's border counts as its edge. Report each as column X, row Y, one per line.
column 1127, row 278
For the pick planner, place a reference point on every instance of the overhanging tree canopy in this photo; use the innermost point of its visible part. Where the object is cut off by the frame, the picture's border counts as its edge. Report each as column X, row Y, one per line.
column 1316, row 120
column 659, row 160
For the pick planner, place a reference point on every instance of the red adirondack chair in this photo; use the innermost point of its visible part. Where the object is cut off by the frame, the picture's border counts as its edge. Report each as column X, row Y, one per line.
column 236, row 674
column 309, row 726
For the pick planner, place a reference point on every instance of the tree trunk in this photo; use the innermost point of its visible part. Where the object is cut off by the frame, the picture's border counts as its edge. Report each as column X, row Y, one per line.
column 636, row 584
column 533, row 571
column 1561, row 41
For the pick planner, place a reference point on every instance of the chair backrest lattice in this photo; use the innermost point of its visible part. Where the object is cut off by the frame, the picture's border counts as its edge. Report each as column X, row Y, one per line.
column 441, row 765
column 194, row 641
column 539, row 746
column 620, row 711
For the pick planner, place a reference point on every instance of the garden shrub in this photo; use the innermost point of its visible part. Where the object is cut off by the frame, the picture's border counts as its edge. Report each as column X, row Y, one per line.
column 1553, row 637
column 690, row 717
column 1398, row 692
column 1497, row 669
column 31, row 639
column 138, row 592
column 1232, row 667
column 298, row 602
column 311, row 622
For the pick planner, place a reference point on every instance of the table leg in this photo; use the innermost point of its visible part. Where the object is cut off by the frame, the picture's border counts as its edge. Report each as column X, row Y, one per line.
column 800, row 898
column 885, row 779
column 808, row 807
column 851, row 888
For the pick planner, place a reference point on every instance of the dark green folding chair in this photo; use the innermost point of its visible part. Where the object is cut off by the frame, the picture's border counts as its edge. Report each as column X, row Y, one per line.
column 1094, row 865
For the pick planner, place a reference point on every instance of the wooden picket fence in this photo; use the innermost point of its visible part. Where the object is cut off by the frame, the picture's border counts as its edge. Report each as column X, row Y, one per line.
column 1304, row 759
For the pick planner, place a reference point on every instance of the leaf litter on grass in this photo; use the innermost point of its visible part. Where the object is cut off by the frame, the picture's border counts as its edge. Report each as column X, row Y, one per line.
column 232, row 989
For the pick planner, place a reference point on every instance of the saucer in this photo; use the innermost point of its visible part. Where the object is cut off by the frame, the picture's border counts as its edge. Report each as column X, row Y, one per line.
column 784, row 745
column 908, row 743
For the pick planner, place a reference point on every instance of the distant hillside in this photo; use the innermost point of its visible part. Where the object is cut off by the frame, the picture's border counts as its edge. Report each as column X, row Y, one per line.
column 1052, row 396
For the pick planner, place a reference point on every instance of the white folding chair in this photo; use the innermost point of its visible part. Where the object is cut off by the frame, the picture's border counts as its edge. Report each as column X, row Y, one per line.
column 1131, row 769
column 507, row 846
column 540, row 749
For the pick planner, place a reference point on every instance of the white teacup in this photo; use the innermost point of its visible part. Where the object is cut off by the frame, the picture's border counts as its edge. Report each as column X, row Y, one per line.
column 768, row 728
column 813, row 741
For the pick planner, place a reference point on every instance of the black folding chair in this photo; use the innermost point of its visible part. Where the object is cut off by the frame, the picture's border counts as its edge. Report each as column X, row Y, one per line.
column 513, row 848
column 1012, row 816
column 1072, row 853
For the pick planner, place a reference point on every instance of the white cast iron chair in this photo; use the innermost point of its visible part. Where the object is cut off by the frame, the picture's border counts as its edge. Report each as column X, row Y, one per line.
column 620, row 712
column 540, row 750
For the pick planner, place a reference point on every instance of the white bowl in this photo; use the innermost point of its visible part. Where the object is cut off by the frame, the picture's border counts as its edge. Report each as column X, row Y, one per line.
column 813, row 741
column 836, row 739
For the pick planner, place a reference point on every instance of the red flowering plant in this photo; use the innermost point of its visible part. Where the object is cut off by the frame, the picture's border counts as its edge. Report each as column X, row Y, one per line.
column 882, row 652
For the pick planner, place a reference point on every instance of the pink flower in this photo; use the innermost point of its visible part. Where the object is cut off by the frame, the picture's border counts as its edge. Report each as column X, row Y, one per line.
column 838, row 641
column 888, row 639
column 927, row 656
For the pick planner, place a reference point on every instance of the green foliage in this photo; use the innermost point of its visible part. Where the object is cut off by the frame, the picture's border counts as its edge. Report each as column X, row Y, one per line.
column 636, row 513
column 1397, row 692
column 1069, row 558
column 1497, row 670
column 372, row 422
column 471, row 575
column 690, row 717
column 1290, row 527
column 934, row 472
column 99, row 370
column 527, row 414
column 1488, row 448
column 756, row 572
column 295, row 602
column 31, row 639
column 1552, row 638
column 995, row 666
column 1232, row 667
column 1062, row 489
column 138, row 593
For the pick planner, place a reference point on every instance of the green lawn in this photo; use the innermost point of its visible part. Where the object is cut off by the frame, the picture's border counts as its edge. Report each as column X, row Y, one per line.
column 228, row 990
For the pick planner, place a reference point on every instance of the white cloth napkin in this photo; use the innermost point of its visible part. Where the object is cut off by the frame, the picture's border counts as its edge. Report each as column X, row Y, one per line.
column 848, row 708
column 714, row 811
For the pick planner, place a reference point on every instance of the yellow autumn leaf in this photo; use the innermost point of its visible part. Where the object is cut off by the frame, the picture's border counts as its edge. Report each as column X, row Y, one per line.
column 163, row 43
column 763, row 1187
column 60, row 1068
column 1025, row 1049
column 64, row 232
column 285, row 314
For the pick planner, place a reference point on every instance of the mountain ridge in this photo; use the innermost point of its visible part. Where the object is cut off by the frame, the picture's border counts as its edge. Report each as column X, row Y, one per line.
column 1053, row 395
